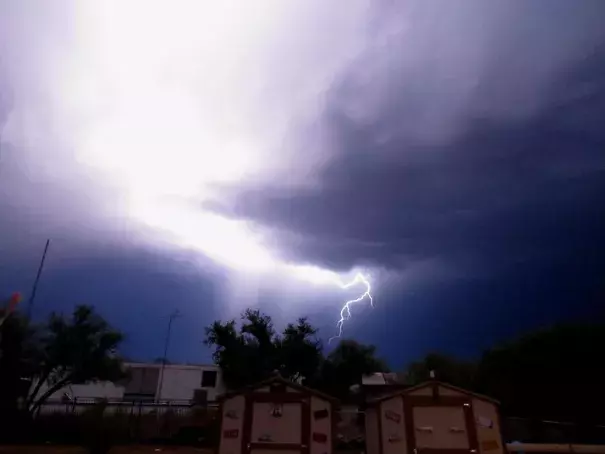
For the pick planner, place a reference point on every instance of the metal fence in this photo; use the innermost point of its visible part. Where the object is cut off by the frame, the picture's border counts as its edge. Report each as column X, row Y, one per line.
column 543, row 431
column 81, row 405
column 145, row 419
column 126, row 421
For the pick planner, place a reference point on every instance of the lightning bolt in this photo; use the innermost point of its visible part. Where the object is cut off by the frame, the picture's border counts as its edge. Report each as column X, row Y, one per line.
column 345, row 312
column 322, row 276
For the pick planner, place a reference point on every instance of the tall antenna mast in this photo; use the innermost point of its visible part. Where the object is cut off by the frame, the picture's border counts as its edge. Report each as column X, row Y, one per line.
column 172, row 316
column 30, row 304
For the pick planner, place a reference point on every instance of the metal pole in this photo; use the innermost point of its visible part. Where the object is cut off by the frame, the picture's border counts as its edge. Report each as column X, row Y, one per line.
column 171, row 318
column 35, row 286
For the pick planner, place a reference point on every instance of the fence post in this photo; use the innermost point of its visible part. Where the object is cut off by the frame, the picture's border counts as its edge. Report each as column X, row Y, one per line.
column 131, row 421
column 139, row 421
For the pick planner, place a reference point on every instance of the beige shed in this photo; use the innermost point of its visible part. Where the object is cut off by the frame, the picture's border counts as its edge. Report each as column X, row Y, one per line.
column 433, row 418
column 277, row 417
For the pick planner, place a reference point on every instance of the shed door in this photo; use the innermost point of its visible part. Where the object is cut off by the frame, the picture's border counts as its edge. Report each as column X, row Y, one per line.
column 278, row 423
column 441, row 427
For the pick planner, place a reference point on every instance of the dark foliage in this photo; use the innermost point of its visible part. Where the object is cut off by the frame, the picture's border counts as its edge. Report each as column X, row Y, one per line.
column 254, row 351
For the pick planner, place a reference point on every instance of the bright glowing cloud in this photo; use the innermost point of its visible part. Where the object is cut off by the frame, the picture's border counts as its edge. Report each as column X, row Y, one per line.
column 174, row 98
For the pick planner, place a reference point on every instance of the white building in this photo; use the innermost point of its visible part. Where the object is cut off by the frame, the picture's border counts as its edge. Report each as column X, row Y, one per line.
column 148, row 382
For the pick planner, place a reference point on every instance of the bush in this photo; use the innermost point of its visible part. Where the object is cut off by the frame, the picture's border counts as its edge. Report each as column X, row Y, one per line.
column 55, row 428
column 202, row 436
column 100, row 431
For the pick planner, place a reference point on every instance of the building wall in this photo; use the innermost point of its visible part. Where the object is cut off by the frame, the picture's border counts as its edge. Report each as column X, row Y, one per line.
column 445, row 391
column 105, row 390
column 232, row 425
column 179, row 383
column 393, row 429
column 372, row 441
column 349, row 427
column 266, row 389
column 440, row 427
column 285, row 429
column 98, row 390
column 423, row 391
column 488, row 427
column 321, row 426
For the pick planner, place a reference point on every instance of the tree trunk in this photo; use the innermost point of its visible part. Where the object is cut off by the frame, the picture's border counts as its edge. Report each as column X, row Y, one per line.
column 31, row 397
column 49, row 392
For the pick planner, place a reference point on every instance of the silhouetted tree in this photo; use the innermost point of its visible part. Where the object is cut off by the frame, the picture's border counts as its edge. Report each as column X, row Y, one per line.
column 20, row 354
column 72, row 350
column 346, row 365
column 447, row 369
column 300, row 351
column 254, row 351
column 555, row 373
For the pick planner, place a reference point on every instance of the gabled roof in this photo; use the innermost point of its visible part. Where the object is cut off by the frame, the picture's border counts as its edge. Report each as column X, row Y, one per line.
column 281, row 380
column 430, row 384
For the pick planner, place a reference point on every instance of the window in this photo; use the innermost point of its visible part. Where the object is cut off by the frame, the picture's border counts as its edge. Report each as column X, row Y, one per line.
column 209, row 378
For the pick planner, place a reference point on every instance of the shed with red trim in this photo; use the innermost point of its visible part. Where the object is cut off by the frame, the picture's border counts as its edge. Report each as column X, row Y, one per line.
column 277, row 416
column 433, row 418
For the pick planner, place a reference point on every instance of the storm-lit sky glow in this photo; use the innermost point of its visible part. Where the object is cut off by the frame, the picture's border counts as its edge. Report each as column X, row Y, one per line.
column 213, row 156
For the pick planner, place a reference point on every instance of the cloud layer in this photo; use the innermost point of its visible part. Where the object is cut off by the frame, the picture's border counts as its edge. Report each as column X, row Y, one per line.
column 423, row 141
column 472, row 136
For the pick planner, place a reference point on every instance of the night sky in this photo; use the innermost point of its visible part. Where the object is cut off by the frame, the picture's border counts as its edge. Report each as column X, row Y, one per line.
column 208, row 158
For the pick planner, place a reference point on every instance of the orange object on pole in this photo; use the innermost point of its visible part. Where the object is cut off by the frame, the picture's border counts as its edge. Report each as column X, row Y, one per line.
column 14, row 301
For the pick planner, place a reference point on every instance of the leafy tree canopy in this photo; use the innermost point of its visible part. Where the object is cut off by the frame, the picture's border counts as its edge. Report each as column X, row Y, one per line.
column 37, row 361
column 555, row 373
column 446, row 368
column 252, row 351
column 346, row 365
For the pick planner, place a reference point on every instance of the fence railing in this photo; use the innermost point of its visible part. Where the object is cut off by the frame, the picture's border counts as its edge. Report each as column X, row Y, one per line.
column 81, row 404
column 543, row 431
column 350, row 428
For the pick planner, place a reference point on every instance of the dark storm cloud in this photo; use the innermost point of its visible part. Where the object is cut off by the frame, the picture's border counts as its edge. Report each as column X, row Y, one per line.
column 505, row 168
column 465, row 139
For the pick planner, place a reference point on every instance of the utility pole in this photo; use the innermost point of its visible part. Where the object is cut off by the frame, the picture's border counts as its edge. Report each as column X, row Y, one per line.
column 172, row 316
column 30, row 304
